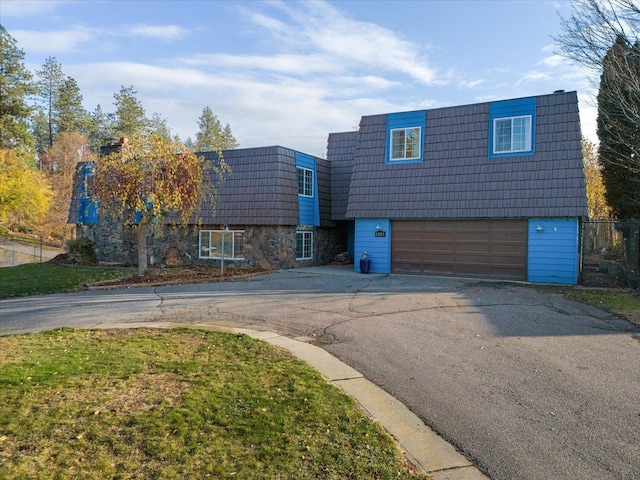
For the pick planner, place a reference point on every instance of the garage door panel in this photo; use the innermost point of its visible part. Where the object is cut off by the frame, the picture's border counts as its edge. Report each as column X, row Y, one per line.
column 476, row 248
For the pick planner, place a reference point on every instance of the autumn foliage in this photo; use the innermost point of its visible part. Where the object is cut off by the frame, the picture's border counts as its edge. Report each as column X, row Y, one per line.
column 151, row 181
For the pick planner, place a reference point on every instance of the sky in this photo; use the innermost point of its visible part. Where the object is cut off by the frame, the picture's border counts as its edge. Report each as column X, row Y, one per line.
column 290, row 72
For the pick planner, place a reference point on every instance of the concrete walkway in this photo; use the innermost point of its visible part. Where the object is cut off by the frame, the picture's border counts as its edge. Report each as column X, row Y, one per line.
column 423, row 447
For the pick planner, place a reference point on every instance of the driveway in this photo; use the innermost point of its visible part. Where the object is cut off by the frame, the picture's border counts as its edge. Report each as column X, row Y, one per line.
column 527, row 384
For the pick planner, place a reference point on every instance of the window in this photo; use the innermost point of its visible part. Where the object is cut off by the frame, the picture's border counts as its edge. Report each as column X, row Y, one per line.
column 305, row 182
column 304, row 245
column 512, row 134
column 405, row 143
column 211, row 244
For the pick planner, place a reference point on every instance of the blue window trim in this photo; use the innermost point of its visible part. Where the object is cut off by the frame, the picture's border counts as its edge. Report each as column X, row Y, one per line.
column 510, row 109
column 403, row 121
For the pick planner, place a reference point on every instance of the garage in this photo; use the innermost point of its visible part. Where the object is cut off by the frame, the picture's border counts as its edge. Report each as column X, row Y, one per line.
column 467, row 248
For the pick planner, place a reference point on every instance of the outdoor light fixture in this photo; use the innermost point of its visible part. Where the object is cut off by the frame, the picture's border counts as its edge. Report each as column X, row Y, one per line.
column 225, row 230
column 378, row 228
column 539, row 228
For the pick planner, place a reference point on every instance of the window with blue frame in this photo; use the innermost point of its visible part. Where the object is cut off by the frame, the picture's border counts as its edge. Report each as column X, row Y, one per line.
column 512, row 127
column 405, row 134
column 305, row 182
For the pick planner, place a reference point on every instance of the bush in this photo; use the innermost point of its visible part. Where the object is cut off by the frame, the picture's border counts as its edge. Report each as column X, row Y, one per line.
column 81, row 251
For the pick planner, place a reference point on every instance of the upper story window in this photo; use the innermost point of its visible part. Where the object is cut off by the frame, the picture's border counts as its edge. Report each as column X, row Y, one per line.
column 305, row 182
column 512, row 127
column 405, row 143
column 405, row 137
column 512, row 134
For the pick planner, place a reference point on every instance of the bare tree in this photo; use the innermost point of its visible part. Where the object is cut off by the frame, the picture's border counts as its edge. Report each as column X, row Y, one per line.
column 604, row 36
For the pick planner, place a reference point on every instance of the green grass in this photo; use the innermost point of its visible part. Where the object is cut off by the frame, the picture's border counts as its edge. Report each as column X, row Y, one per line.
column 41, row 278
column 177, row 404
column 615, row 300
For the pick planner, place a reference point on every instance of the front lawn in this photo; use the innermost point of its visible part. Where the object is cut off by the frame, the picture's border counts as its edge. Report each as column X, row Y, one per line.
column 41, row 278
column 178, row 404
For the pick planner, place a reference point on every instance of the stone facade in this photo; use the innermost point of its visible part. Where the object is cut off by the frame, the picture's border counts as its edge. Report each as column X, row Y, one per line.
column 266, row 247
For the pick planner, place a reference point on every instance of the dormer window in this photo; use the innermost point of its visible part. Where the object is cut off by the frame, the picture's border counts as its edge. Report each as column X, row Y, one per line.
column 512, row 135
column 305, row 182
column 405, row 143
column 405, row 137
column 512, row 128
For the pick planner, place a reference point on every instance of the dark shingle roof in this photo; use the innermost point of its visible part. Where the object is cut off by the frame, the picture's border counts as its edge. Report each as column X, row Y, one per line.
column 261, row 190
column 457, row 179
column 341, row 150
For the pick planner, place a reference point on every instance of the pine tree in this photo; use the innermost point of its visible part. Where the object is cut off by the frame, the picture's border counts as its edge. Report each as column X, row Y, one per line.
column 70, row 114
column 50, row 78
column 15, row 86
column 130, row 114
column 212, row 136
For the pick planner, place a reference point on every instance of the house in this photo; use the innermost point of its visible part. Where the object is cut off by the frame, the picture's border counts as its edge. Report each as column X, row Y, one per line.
column 273, row 212
column 489, row 190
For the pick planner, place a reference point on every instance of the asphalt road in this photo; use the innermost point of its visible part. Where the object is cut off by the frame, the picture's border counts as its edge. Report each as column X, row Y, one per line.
column 527, row 384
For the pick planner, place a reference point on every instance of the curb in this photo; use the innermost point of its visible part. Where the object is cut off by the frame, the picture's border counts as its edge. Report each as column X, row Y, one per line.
column 422, row 446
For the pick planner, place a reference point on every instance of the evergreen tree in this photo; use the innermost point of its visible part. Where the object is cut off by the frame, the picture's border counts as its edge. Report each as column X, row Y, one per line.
column 158, row 125
column 70, row 114
column 50, row 79
column 618, row 126
column 130, row 114
column 15, row 86
column 212, row 136
column 101, row 128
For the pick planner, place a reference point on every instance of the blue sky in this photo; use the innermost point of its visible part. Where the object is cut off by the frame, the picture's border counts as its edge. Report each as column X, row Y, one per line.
column 288, row 73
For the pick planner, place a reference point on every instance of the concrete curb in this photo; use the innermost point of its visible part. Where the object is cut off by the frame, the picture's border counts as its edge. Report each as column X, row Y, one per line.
column 423, row 447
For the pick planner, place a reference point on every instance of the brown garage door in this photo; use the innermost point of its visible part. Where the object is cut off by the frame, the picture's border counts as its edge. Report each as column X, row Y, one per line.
column 470, row 248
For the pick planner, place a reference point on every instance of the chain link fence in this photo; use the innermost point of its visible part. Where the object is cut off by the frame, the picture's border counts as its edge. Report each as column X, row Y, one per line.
column 14, row 253
column 610, row 253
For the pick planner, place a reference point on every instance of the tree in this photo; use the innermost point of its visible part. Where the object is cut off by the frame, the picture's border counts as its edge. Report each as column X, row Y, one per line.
column 101, row 128
column 603, row 35
column 50, row 79
column 151, row 181
column 25, row 194
column 70, row 114
column 618, row 131
column 212, row 136
column 158, row 125
column 596, row 200
column 15, row 86
column 59, row 165
column 130, row 119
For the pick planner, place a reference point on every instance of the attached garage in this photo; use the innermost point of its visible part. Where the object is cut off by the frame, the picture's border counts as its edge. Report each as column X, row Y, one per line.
column 468, row 248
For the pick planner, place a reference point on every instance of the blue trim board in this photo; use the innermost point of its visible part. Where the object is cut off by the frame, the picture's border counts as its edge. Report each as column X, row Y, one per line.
column 309, row 207
column 513, row 108
column 553, row 250
column 378, row 247
column 416, row 118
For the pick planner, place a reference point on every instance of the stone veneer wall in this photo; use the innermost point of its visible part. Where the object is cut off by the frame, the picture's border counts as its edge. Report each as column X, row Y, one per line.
column 266, row 247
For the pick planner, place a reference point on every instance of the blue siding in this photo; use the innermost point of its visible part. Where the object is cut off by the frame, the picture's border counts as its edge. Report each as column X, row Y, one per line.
column 87, row 208
column 553, row 252
column 513, row 108
column 378, row 248
column 406, row 120
column 309, row 207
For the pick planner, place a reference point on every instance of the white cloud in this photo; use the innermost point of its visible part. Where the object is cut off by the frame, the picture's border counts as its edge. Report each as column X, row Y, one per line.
column 52, row 42
column 22, row 8
column 167, row 32
column 322, row 29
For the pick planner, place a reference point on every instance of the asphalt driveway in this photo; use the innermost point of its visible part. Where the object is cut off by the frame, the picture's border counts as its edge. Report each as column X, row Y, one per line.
column 527, row 384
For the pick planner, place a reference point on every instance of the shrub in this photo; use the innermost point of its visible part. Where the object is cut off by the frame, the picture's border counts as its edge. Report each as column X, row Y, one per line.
column 81, row 251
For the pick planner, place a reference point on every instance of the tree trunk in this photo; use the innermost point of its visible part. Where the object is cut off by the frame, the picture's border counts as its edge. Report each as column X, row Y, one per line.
column 141, row 237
